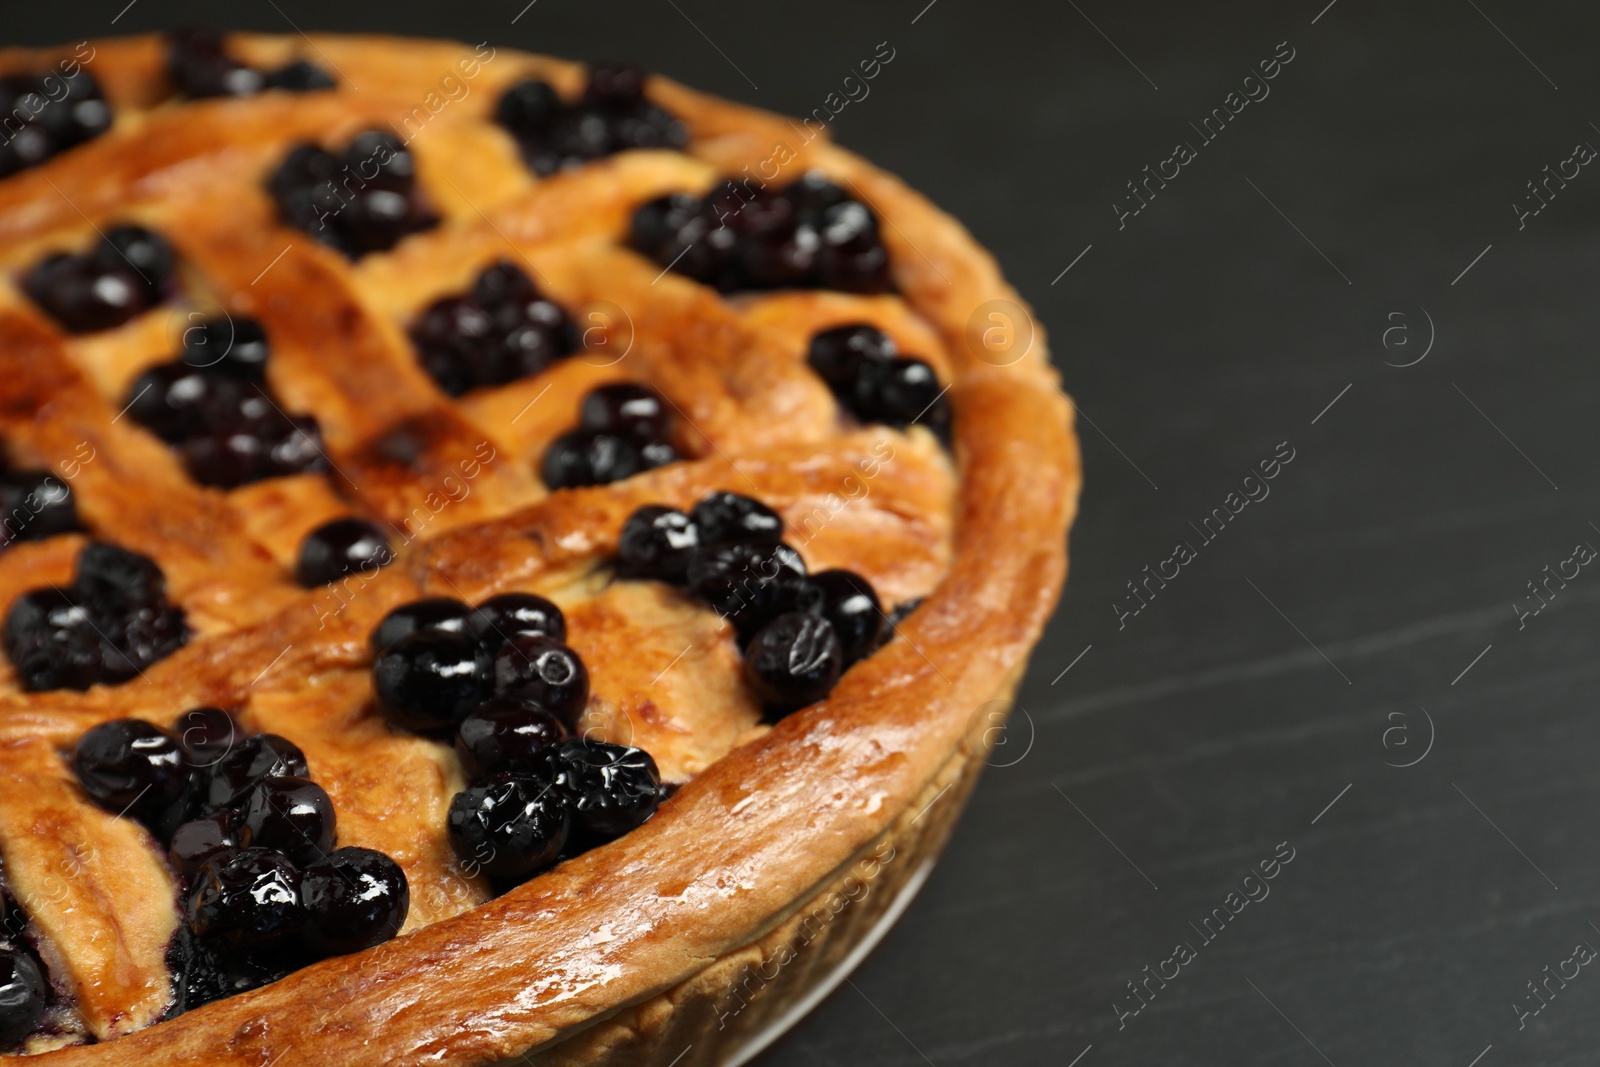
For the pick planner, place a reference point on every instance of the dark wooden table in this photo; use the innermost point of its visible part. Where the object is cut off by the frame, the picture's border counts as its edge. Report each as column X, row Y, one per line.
column 1342, row 680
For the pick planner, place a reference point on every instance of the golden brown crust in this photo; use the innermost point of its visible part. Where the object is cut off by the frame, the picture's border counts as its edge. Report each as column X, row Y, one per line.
column 768, row 816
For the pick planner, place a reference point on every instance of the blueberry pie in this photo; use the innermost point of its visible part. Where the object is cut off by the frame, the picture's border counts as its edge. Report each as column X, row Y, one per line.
column 501, row 560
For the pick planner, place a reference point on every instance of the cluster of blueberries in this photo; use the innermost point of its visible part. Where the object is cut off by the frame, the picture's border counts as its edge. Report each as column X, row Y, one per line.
column 363, row 198
column 251, row 838
column 872, row 381
column 502, row 679
column 212, row 404
column 125, row 273
column 810, row 234
column 34, row 504
column 612, row 116
column 623, row 428
column 501, row 330
column 199, row 65
column 113, row 621
column 799, row 631
column 45, row 114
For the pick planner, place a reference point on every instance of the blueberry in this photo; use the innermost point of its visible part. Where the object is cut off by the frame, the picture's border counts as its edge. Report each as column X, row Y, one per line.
column 296, row 448
column 626, row 409
column 170, row 400
column 301, row 76
column 851, row 605
column 291, row 815
column 235, row 347
column 722, row 516
column 528, row 107
column 256, row 758
column 852, row 258
column 454, row 337
column 897, row 391
column 500, row 618
column 200, row 67
column 35, row 505
column 77, row 111
column 509, row 827
column 381, row 153
column 525, row 350
column 146, row 252
column 433, row 613
column 653, row 454
column 53, row 641
column 837, row 354
column 662, row 220
column 750, row 583
column 376, row 219
column 85, row 297
column 504, row 284
column 354, row 899
column 616, row 86
column 198, row 840
column 583, row 457
column 246, row 899
column 657, row 542
column 145, row 634
column 793, row 661
column 128, row 765
column 306, row 166
column 541, row 669
column 507, row 734
column 649, row 126
column 22, row 995
column 812, row 195
column 339, row 548
column 610, row 789
column 778, row 261
column 109, row 574
column 203, row 972
column 429, row 680
column 205, row 735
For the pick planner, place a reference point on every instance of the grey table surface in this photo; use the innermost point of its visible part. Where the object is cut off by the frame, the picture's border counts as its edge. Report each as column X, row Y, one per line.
column 1347, row 266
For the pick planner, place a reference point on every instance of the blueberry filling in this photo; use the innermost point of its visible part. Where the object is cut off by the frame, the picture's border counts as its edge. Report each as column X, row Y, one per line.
column 340, row 548
column 363, row 199
column 623, row 429
column 213, row 405
column 124, row 274
column 199, row 65
column 500, row 331
column 799, row 631
column 871, row 381
column 251, row 838
column 613, row 115
column 810, row 234
column 45, row 114
column 105, row 628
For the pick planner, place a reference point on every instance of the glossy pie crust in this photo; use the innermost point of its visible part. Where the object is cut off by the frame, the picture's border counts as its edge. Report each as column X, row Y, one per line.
column 616, row 955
